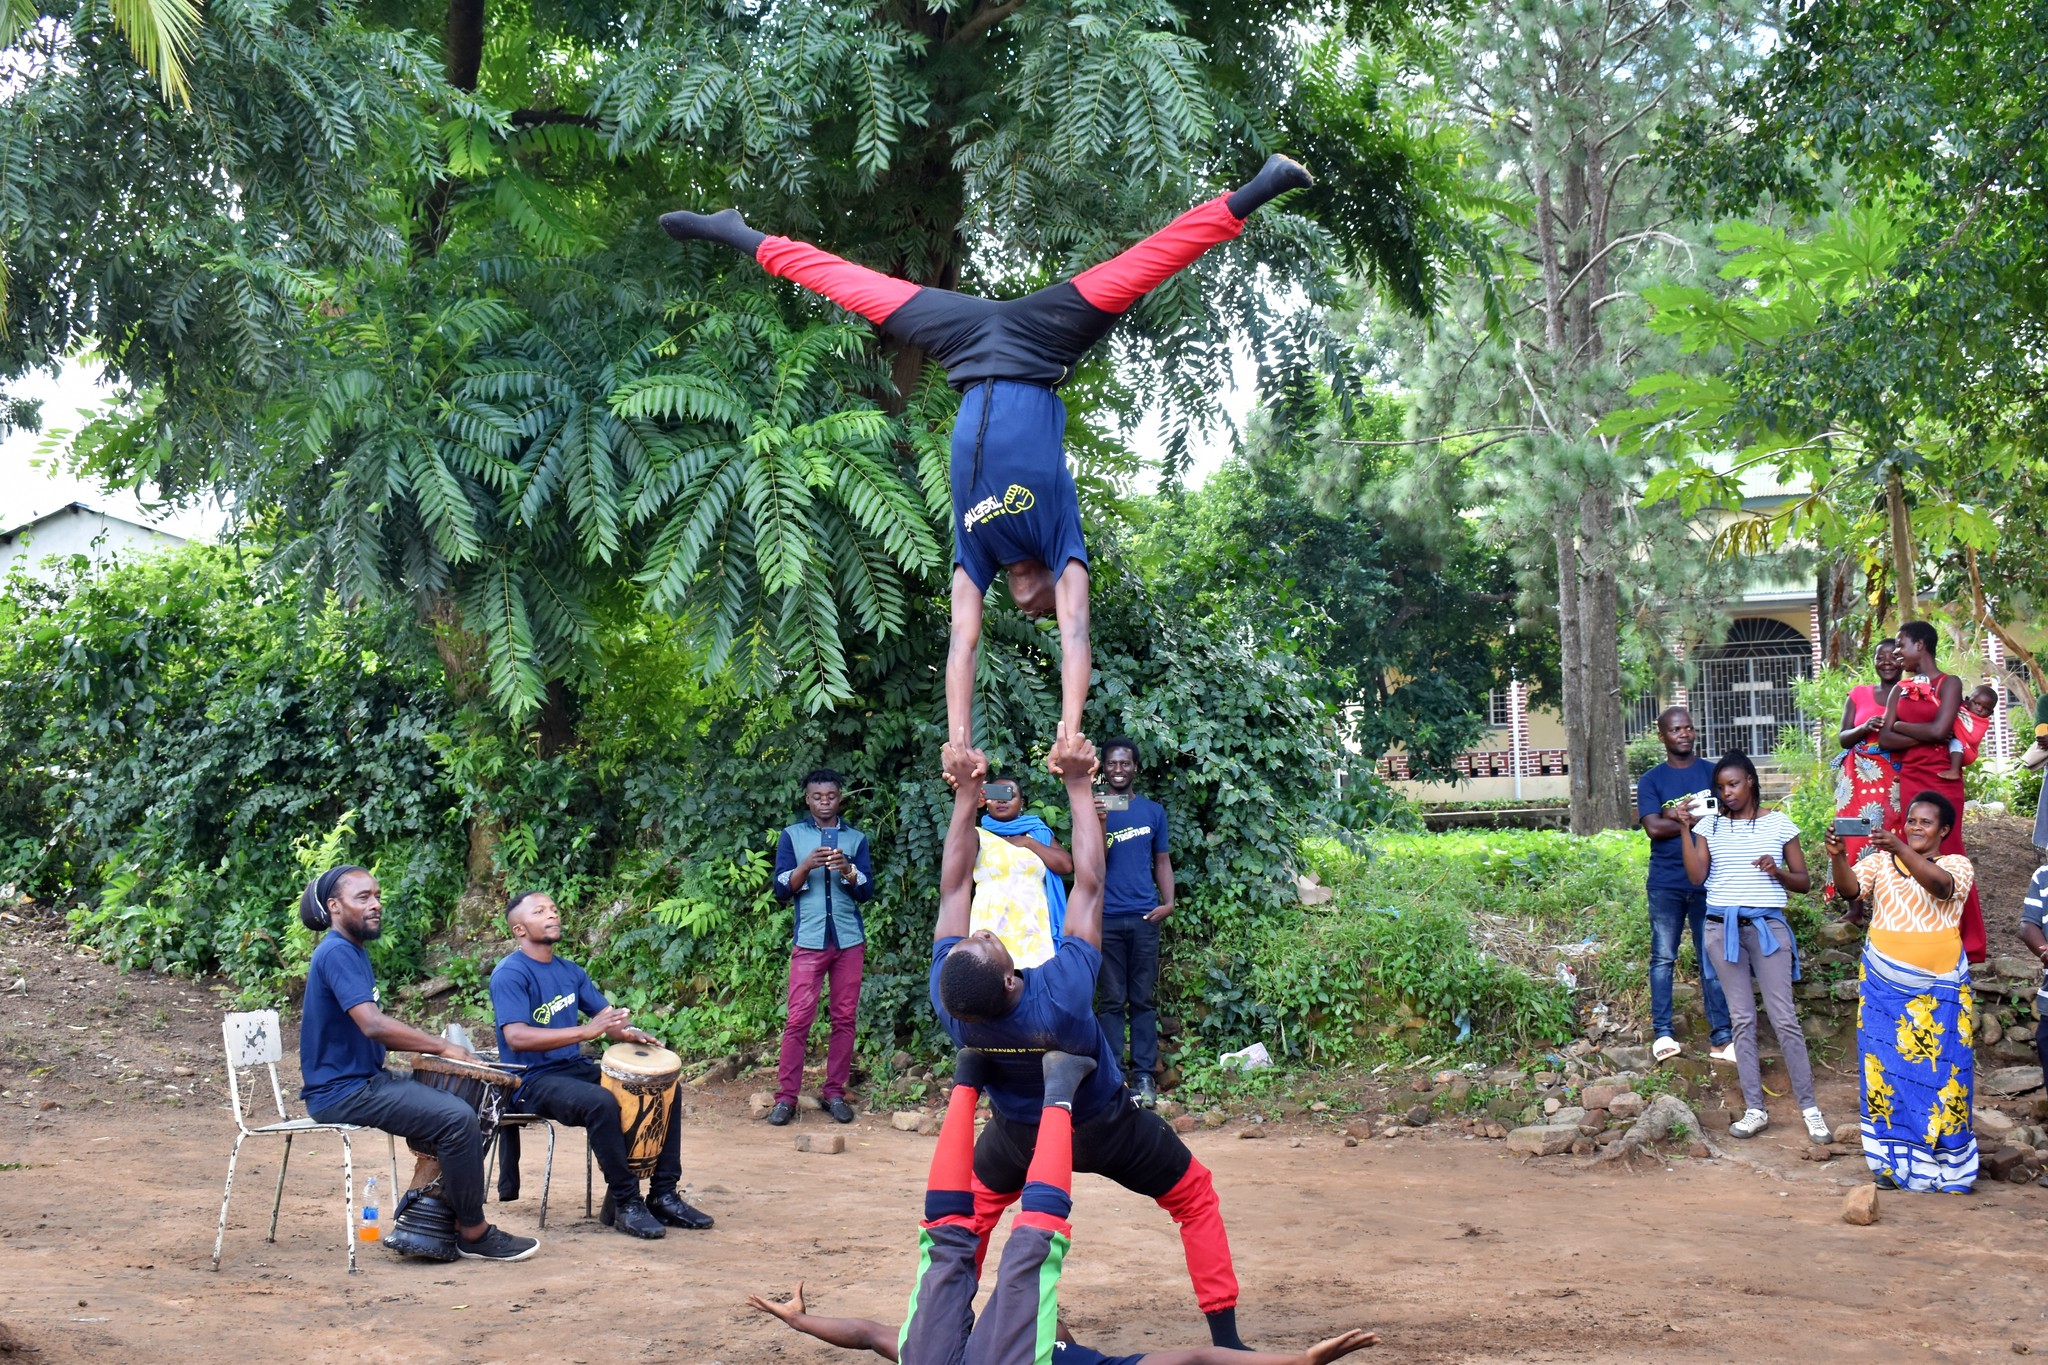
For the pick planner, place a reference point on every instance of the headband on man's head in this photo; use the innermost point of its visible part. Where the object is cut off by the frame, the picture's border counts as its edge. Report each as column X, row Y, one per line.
column 313, row 904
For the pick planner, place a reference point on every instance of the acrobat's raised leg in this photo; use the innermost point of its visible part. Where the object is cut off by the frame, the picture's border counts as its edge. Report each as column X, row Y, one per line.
column 941, row 1312
column 1020, row 1322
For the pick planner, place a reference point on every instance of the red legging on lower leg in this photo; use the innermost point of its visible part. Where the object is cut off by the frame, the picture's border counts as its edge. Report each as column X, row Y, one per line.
column 1020, row 1322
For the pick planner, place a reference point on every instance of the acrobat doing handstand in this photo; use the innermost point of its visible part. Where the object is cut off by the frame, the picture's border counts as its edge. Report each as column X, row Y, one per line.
column 1014, row 505
column 1020, row 1323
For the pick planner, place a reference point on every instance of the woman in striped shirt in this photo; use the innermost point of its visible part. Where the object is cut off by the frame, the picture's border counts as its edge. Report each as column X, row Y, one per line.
column 1737, row 851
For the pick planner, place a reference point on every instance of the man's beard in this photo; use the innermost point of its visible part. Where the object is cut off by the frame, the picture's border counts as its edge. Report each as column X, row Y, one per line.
column 369, row 933
column 548, row 940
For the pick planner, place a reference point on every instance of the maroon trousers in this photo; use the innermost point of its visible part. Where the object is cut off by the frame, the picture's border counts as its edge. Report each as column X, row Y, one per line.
column 810, row 969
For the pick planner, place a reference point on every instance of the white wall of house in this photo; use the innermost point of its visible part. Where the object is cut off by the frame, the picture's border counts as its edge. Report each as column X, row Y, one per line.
column 76, row 529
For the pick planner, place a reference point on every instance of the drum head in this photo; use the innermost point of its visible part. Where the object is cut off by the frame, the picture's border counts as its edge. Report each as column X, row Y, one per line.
column 476, row 1071
column 640, row 1061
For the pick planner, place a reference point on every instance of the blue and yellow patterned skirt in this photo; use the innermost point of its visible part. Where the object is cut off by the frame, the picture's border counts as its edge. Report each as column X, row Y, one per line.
column 1915, row 1030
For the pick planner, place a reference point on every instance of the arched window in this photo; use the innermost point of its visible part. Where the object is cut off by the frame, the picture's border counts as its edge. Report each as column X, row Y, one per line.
column 1744, row 696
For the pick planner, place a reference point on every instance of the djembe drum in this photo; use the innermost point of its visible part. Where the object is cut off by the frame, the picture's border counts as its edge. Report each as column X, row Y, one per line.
column 643, row 1080
column 481, row 1086
column 424, row 1224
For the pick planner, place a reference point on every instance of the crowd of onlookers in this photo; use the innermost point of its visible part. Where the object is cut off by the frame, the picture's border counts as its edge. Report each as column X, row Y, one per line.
column 1722, row 865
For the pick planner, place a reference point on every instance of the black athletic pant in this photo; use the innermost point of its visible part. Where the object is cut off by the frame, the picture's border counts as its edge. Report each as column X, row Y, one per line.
column 573, row 1095
column 432, row 1118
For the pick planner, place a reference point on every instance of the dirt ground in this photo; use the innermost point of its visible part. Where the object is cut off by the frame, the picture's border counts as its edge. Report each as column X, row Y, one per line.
column 114, row 1135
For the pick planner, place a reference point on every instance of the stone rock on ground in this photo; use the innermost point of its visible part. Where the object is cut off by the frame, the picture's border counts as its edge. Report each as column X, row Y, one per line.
column 1599, row 1096
column 761, row 1101
column 1850, row 1133
column 1628, row 1058
column 1573, row 1114
column 1417, row 1116
column 1668, row 1118
column 1169, row 1109
column 905, row 1120
column 1994, row 1125
column 2011, row 1080
column 719, row 1072
column 2000, row 1164
column 824, row 1144
column 1215, row 1118
column 809, row 1102
column 1859, row 1206
column 1187, row 1123
column 1543, row 1139
column 1627, row 1105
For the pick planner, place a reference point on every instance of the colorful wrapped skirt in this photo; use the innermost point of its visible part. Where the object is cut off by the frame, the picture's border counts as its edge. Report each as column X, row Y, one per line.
column 1914, row 1030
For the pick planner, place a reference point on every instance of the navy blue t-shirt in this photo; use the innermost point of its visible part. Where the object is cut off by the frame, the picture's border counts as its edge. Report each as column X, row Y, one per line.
column 1074, row 1353
column 545, row 995
column 1134, row 836
column 1018, row 501
column 1056, row 1013
column 1653, row 789
column 336, row 1058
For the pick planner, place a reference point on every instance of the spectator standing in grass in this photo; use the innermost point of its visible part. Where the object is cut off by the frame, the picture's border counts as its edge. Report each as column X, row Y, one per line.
column 1735, row 851
column 822, row 869
column 1676, row 900
column 1137, row 898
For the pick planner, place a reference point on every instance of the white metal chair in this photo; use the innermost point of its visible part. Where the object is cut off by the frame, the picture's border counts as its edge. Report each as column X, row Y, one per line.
column 254, row 1039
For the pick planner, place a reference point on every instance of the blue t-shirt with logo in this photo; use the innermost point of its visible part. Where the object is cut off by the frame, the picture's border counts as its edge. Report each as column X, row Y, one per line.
column 336, row 1058
column 545, row 995
column 1056, row 1013
column 1016, row 500
column 1134, row 835
column 1653, row 789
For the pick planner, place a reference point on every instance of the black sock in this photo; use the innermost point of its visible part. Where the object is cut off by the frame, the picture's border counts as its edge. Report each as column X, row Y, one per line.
column 724, row 226
column 1279, row 175
column 970, row 1068
column 1223, row 1330
column 1064, row 1073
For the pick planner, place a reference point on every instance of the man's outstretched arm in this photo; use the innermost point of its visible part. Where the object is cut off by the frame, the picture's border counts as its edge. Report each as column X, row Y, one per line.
column 1073, row 758
column 964, row 767
column 856, row 1334
column 962, row 649
column 1319, row 1354
column 1077, row 658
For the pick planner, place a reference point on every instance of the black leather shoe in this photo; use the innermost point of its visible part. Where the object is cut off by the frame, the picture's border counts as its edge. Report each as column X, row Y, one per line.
column 1148, row 1093
column 631, row 1217
column 671, row 1209
column 838, row 1108
column 782, row 1113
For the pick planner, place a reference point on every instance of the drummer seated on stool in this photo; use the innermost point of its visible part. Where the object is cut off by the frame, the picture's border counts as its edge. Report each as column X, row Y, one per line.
column 536, row 998
column 343, row 1036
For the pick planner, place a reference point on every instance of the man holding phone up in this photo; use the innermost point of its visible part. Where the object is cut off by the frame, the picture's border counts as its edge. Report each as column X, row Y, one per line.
column 1675, row 899
column 821, row 868
column 1137, row 897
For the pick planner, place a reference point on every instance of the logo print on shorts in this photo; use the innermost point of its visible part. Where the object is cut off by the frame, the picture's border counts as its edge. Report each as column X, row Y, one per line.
column 1016, row 498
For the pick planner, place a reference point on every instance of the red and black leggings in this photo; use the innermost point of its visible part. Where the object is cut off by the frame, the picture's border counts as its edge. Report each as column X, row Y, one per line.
column 1139, row 1151
column 1034, row 339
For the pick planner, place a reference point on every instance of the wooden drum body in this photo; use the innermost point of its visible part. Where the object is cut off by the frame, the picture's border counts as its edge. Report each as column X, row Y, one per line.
column 643, row 1080
column 484, row 1088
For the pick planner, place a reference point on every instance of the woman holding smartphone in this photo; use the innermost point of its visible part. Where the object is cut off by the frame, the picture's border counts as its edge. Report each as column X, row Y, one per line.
column 1915, row 1029
column 1749, row 858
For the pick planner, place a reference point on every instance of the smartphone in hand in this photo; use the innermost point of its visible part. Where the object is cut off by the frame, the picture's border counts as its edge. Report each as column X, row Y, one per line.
column 999, row 791
column 1852, row 827
column 1114, row 800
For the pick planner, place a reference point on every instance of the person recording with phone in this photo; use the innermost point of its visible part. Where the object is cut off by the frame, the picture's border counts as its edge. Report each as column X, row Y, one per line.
column 1677, row 902
column 1137, row 898
column 1018, row 894
column 1735, row 847
column 822, row 870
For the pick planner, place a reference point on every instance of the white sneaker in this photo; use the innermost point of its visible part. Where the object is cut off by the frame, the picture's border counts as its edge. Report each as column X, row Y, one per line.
column 1723, row 1053
column 1752, row 1122
column 1665, row 1048
column 1817, row 1127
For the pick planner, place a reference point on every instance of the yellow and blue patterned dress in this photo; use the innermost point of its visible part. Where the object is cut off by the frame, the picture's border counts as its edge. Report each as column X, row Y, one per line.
column 1915, row 1028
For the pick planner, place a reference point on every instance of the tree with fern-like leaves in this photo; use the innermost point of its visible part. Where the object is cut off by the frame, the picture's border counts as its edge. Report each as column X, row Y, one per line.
column 387, row 280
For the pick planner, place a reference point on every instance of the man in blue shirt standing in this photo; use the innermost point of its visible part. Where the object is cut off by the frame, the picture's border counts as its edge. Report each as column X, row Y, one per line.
column 822, row 869
column 1137, row 896
column 343, row 1036
column 536, row 997
column 1676, row 900
column 1007, row 1019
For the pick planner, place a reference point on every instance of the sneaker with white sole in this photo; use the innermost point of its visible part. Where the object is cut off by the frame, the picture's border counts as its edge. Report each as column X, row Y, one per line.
column 497, row 1245
column 1665, row 1048
column 1816, row 1126
column 1723, row 1053
column 1752, row 1122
